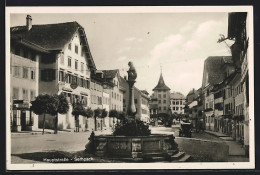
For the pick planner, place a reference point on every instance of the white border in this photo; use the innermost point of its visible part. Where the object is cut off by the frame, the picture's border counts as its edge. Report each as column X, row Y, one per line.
column 137, row 9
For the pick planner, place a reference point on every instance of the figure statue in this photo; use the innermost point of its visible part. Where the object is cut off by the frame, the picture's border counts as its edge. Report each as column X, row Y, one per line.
column 132, row 75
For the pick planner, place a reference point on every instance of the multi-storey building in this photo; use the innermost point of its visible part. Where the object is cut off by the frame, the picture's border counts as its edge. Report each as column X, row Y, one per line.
column 65, row 63
column 238, row 26
column 141, row 100
column 177, row 102
column 24, row 78
column 162, row 93
column 212, row 74
column 218, row 91
column 115, row 93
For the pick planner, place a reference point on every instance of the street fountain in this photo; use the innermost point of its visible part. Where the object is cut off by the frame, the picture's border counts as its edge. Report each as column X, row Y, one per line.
column 132, row 139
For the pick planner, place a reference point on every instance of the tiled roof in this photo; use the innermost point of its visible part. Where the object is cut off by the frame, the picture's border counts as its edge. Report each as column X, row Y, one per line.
column 48, row 36
column 161, row 85
column 51, row 37
column 177, row 95
column 110, row 73
column 213, row 66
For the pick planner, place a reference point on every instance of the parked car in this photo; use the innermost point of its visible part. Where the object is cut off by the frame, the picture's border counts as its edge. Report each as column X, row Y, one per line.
column 185, row 130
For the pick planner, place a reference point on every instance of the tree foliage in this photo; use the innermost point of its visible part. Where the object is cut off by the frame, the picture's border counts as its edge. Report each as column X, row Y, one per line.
column 103, row 113
column 97, row 112
column 45, row 104
column 88, row 112
column 113, row 113
column 78, row 109
column 132, row 128
column 63, row 106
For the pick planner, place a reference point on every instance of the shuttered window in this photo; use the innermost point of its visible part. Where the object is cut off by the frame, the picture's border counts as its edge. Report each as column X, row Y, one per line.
column 48, row 75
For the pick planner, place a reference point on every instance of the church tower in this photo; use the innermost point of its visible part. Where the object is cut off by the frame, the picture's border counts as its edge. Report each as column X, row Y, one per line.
column 162, row 94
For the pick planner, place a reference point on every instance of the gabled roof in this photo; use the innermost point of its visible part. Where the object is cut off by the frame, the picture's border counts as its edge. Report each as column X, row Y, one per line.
column 51, row 37
column 110, row 74
column 161, row 85
column 213, row 67
column 177, row 95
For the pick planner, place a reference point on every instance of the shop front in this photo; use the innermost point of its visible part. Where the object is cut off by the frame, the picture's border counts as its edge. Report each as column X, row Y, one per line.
column 22, row 118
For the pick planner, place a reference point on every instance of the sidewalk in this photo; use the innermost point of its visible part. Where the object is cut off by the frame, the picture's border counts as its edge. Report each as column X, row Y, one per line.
column 236, row 150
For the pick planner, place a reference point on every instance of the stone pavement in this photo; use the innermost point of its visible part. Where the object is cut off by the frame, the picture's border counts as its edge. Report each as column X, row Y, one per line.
column 236, row 150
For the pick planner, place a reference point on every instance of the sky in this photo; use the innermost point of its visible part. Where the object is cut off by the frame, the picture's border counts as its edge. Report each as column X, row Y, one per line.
column 175, row 43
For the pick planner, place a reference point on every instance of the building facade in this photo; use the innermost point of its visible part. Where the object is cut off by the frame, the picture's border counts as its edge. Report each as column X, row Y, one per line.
column 65, row 59
column 177, row 103
column 161, row 92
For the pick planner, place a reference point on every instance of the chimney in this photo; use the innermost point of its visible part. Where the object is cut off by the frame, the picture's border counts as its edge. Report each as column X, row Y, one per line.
column 28, row 22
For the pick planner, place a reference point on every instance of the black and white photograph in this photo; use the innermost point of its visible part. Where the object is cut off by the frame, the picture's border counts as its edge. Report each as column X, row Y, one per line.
column 95, row 88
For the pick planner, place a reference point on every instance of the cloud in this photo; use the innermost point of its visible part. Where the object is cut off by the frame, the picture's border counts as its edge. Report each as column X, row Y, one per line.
column 122, row 58
column 206, row 28
column 190, row 25
column 130, row 39
column 124, row 49
column 165, row 48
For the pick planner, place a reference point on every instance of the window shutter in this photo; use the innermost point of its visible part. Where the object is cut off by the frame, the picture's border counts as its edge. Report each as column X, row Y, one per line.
column 43, row 76
column 53, row 74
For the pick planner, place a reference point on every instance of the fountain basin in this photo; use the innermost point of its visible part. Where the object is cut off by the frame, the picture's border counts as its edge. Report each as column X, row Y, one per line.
column 135, row 146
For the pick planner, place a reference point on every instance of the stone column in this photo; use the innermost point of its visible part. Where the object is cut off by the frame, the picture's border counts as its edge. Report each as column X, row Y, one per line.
column 131, row 105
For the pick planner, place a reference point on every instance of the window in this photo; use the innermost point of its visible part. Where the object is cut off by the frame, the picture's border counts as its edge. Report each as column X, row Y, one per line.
column 69, row 46
column 174, row 102
column 25, row 72
column 164, row 101
column 25, row 94
column 16, row 71
column 62, row 60
column 82, row 51
column 82, row 67
column 69, row 78
column 76, row 49
column 180, row 102
column 32, row 75
column 15, row 93
column 159, row 95
column 69, row 61
column 177, row 108
column 48, row 75
column 135, row 100
column 61, row 76
column 76, row 64
column 173, row 108
column 32, row 95
column 177, row 102
column 164, row 95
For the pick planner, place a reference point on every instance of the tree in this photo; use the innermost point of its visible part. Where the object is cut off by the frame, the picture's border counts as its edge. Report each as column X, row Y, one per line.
column 121, row 116
column 113, row 113
column 78, row 109
column 97, row 113
column 45, row 104
column 63, row 108
column 88, row 113
column 103, row 115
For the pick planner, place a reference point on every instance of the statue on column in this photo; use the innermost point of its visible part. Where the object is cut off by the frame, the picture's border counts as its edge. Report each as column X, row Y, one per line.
column 132, row 75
